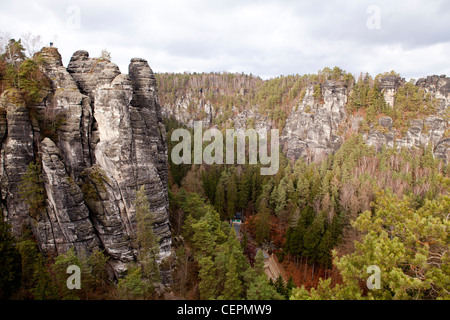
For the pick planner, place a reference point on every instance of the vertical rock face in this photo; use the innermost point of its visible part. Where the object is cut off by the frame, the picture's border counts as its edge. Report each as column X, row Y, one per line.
column 389, row 86
column 16, row 154
column 311, row 129
column 67, row 214
column 421, row 132
column 439, row 87
column 71, row 110
column 109, row 141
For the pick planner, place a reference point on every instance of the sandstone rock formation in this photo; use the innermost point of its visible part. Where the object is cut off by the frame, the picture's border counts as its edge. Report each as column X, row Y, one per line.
column 421, row 132
column 317, row 126
column 108, row 141
column 389, row 86
column 311, row 129
column 439, row 87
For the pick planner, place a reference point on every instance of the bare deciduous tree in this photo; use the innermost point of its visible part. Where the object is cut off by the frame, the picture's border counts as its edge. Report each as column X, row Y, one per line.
column 31, row 43
column 4, row 39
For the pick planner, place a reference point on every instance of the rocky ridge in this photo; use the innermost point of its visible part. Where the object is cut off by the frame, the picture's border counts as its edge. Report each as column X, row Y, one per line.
column 108, row 142
column 317, row 127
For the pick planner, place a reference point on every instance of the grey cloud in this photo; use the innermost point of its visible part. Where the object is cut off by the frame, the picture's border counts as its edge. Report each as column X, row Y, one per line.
column 262, row 37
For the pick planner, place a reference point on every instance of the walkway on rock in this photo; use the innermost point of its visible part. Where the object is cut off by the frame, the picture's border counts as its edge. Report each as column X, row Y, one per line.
column 271, row 267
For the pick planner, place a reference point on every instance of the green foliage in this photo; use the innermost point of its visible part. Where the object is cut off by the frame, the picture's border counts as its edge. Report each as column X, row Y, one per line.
column 24, row 75
column 177, row 172
column 224, row 271
column 9, row 260
column 317, row 92
column 410, row 246
column 366, row 95
column 134, row 286
column 148, row 243
column 273, row 97
column 232, row 196
column 260, row 289
column 411, row 102
column 94, row 179
column 31, row 189
column 93, row 274
column 263, row 216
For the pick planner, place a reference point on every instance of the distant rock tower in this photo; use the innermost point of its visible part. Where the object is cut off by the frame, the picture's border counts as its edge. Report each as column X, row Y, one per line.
column 389, row 86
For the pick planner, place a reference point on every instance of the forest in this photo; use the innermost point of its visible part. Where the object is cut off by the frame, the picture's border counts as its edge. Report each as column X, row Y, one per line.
column 324, row 222
column 357, row 208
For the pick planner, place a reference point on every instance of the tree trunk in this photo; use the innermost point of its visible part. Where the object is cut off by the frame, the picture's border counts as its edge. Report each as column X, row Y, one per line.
column 306, row 267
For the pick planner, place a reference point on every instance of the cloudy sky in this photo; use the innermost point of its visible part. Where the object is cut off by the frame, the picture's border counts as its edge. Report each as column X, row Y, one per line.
column 265, row 38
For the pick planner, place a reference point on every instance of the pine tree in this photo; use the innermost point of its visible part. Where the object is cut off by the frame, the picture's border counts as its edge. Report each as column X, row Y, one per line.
column 262, row 226
column 148, row 243
column 208, row 279
column 30, row 256
column 290, row 285
column 10, row 261
column 220, row 199
column 409, row 246
column 203, row 239
column 244, row 191
column 44, row 288
column 259, row 263
column 134, row 286
column 232, row 195
column 233, row 286
column 324, row 250
column 280, row 286
column 260, row 289
column 312, row 238
column 32, row 190
column 59, row 267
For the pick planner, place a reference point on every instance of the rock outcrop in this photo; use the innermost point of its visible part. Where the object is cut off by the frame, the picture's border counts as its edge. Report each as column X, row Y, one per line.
column 17, row 151
column 439, row 87
column 319, row 124
column 108, row 141
column 421, row 132
column 312, row 127
column 389, row 86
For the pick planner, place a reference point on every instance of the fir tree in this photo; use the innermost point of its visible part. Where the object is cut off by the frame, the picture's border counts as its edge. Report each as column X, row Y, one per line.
column 10, row 261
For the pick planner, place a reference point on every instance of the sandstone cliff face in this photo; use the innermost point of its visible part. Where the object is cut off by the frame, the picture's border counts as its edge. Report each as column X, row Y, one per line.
column 389, row 86
column 109, row 141
column 439, row 87
column 311, row 129
column 421, row 132
column 317, row 126
column 16, row 153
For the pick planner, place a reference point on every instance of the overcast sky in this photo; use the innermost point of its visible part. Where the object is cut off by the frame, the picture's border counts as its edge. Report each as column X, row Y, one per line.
column 265, row 38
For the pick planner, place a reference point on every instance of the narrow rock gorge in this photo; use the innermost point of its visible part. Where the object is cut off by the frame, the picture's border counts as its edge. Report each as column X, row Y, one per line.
column 106, row 140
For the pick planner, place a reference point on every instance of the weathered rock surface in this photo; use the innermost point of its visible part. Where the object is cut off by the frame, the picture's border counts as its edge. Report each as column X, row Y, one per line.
column 17, row 151
column 314, row 128
column 71, row 111
column 108, row 141
column 421, row 132
column 439, row 87
column 67, row 214
column 311, row 129
column 389, row 86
